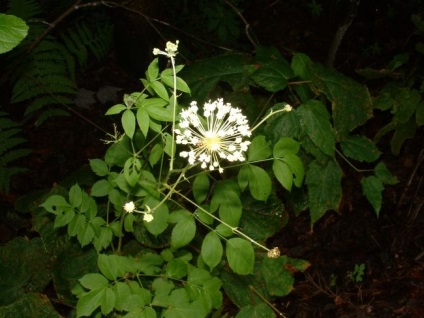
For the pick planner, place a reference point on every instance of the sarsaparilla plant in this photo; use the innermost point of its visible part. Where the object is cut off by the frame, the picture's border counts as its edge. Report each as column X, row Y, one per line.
column 183, row 206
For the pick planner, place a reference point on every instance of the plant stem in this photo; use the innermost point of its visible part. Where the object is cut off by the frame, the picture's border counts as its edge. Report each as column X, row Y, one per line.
column 174, row 112
column 271, row 113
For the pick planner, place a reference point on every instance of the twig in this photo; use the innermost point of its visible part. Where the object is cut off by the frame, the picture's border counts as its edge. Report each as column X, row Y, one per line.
column 252, row 38
column 420, row 161
column 341, row 31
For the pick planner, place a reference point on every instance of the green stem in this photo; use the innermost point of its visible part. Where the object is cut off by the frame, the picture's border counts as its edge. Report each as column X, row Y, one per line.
column 271, row 113
column 174, row 112
column 121, row 235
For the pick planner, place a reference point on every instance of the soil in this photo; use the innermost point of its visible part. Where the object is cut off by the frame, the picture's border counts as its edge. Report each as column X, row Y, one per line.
column 391, row 246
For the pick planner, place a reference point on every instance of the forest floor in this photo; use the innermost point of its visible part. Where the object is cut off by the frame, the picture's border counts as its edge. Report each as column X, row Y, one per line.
column 390, row 248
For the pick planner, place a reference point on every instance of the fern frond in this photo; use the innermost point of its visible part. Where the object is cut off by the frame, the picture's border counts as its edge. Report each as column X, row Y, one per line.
column 9, row 143
column 24, row 9
column 6, row 123
column 6, row 174
column 10, row 140
column 9, row 133
column 13, row 155
column 47, row 100
column 49, row 113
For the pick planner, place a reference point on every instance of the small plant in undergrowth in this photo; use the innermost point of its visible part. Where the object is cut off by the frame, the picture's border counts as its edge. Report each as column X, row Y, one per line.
column 357, row 275
column 174, row 215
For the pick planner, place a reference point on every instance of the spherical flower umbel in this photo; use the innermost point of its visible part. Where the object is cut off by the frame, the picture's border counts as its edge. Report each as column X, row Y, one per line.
column 129, row 207
column 218, row 134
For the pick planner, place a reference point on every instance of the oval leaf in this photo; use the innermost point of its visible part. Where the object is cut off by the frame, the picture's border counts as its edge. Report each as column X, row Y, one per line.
column 240, row 255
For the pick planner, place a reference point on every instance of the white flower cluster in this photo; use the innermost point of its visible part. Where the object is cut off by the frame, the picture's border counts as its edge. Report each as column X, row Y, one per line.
column 218, row 134
column 129, row 207
column 171, row 49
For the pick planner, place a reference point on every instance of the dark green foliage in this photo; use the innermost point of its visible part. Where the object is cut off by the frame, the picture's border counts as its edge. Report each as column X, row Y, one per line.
column 10, row 150
column 45, row 75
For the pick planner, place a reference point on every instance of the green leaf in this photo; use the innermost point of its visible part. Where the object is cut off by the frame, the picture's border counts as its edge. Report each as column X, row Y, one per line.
column 201, row 187
column 94, row 281
column 258, row 149
column 212, row 250
column 226, row 199
column 382, row 173
column 101, row 188
column 155, row 154
column 285, row 146
column 406, row 101
column 76, row 225
column 119, row 152
column 104, row 239
column 116, row 109
column 143, row 120
column 56, row 204
column 283, row 124
column 111, row 266
column 203, row 75
column 283, row 173
column 168, row 144
column 315, row 121
column 183, row 232
column 153, row 70
column 301, row 65
column 12, row 31
column 99, row 167
column 64, row 218
column 372, row 188
column 108, row 301
column 86, row 235
column 128, row 122
column 89, row 302
column 324, row 186
column 279, row 281
column 159, row 89
column 360, row 148
column 176, row 269
column 160, row 217
column 181, row 84
column 402, row 133
column 75, row 196
column 351, row 102
column 271, row 70
column 132, row 170
column 154, row 107
column 258, row 179
column 181, row 307
column 260, row 310
column 240, row 255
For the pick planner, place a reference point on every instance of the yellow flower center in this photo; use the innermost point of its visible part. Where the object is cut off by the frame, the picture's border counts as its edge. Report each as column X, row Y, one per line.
column 212, row 143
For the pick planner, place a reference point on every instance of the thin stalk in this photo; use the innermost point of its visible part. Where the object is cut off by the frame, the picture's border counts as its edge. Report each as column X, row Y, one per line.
column 174, row 115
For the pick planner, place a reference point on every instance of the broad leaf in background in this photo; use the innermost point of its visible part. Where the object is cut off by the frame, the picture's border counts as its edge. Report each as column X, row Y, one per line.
column 351, row 101
column 204, row 75
column 260, row 310
column 324, row 185
column 269, row 69
column 372, row 188
column 12, row 31
column 315, row 121
column 360, row 148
